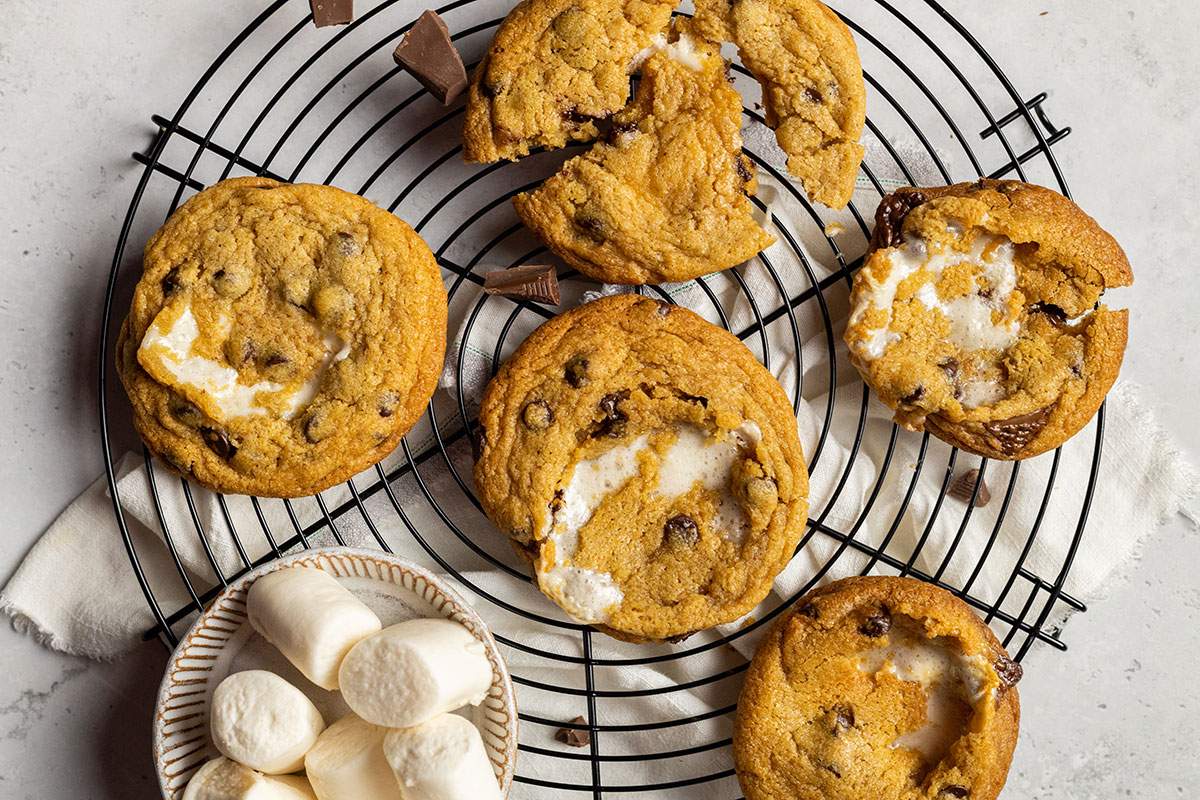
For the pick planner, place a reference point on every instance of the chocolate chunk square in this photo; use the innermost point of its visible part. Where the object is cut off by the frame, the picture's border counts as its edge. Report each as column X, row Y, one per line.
column 531, row 282
column 332, row 12
column 427, row 52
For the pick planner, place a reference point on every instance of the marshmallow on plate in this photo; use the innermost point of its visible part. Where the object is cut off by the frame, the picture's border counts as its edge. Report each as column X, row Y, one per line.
column 347, row 763
column 412, row 671
column 442, row 759
column 311, row 618
column 222, row 779
column 262, row 721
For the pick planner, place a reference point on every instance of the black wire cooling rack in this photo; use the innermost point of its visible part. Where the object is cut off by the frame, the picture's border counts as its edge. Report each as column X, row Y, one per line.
column 292, row 102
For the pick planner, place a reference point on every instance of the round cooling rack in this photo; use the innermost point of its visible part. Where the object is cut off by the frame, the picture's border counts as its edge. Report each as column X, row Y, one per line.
column 295, row 103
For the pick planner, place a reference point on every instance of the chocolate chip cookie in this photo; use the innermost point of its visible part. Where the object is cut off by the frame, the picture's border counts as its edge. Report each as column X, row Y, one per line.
column 805, row 58
column 282, row 337
column 554, row 69
column 977, row 315
column 877, row 688
column 646, row 464
column 665, row 198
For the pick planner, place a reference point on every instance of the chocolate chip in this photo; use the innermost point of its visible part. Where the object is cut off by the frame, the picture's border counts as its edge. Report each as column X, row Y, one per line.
column 332, row 12
column 428, row 53
column 876, row 625
column 170, row 283
column 317, row 426
column 619, row 130
column 1009, row 672
column 489, row 90
column 955, row 791
column 812, row 95
column 557, row 502
column 914, row 396
column 964, row 486
column 248, row 351
column 275, row 359
column 219, row 442
column 843, row 719
column 592, row 226
column 743, row 170
column 388, row 402
column 613, row 423
column 1013, row 434
column 575, row 372
column 344, row 244
column 889, row 217
column 681, row 530
column 577, row 117
column 537, row 415
column 187, row 413
column 574, row 737
column 809, row 610
column 831, row 768
column 1056, row 313
column 663, row 309
column 531, row 282
column 478, row 441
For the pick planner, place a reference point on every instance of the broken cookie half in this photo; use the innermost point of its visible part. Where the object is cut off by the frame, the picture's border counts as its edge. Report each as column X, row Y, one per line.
column 664, row 197
column 977, row 315
column 805, row 59
column 558, row 71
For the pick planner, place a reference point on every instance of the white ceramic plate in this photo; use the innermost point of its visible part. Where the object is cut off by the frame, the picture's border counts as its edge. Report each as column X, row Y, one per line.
column 222, row 642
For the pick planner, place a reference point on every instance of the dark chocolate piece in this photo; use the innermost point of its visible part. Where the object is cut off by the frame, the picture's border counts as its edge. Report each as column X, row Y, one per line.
column 427, row 52
column 889, row 217
column 574, row 737
column 876, row 625
column 332, row 12
column 964, row 486
column 531, row 282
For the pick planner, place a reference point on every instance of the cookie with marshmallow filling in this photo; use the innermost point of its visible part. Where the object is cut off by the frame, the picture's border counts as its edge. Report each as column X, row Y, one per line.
column 282, row 337
column 877, row 687
column 646, row 464
column 977, row 315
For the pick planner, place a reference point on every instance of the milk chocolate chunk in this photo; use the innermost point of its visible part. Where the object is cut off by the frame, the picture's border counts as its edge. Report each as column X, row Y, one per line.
column 427, row 52
column 1013, row 434
column 964, row 486
column 531, row 282
column 574, row 737
column 332, row 12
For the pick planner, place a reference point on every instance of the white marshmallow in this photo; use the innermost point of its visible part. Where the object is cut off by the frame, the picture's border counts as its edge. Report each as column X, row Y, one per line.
column 222, row 779
column 412, row 671
column 442, row 759
column 262, row 721
column 347, row 763
column 311, row 618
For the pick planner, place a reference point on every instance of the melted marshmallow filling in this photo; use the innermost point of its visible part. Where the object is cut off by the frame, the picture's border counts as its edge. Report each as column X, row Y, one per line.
column 951, row 682
column 972, row 318
column 682, row 50
column 166, row 353
column 590, row 596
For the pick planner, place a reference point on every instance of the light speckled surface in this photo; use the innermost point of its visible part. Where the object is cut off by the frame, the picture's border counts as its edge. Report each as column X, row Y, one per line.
column 1112, row 718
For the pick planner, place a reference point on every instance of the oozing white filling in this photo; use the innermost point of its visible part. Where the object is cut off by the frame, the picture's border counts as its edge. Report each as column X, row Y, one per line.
column 952, row 684
column 682, row 50
column 169, row 346
column 590, row 596
column 970, row 317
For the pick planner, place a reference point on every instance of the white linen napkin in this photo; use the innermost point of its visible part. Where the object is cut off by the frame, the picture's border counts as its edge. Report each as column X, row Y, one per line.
column 76, row 591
